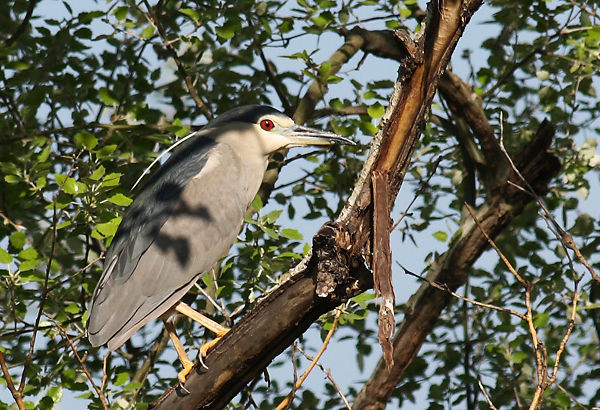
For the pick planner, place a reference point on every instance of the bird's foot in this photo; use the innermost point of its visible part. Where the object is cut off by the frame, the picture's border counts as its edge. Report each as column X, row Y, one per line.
column 209, row 345
column 188, row 365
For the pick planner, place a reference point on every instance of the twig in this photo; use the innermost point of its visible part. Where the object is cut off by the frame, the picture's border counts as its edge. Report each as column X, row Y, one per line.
column 287, row 401
column 104, row 372
column 329, row 376
column 44, row 295
column 445, row 288
column 571, row 396
column 487, row 397
column 275, row 82
column 493, row 245
column 295, row 366
column 220, row 308
column 9, row 383
column 86, row 267
column 23, row 24
column 83, row 366
column 564, row 237
column 154, row 20
column 421, row 189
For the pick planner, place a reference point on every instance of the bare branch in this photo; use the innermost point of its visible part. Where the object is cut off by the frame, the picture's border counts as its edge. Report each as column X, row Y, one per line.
column 445, row 288
column 153, row 18
column 23, row 24
column 329, row 376
column 17, row 396
column 287, row 401
column 83, row 366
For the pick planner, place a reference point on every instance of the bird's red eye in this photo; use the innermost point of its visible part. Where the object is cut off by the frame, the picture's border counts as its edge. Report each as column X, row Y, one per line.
column 267, row 125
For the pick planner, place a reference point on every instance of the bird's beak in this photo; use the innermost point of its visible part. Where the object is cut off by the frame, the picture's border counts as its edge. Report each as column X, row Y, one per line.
column 300, row 136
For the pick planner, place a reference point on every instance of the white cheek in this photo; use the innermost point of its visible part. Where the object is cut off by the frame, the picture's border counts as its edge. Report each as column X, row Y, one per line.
column 271, row 142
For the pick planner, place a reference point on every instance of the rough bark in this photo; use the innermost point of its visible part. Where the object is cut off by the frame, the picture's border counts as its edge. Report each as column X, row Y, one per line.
column 336, row 265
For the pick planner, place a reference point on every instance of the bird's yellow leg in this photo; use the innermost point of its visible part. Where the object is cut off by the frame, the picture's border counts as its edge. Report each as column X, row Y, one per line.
column 187, row 364
column 211, row 325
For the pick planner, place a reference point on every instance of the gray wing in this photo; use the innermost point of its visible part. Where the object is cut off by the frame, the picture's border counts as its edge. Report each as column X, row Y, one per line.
column 185, row 219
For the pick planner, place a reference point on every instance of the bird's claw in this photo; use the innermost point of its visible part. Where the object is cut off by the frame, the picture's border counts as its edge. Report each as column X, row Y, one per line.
column 188, row 365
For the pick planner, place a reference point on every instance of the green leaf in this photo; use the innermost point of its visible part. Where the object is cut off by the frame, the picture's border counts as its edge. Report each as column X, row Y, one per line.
column 272, row 216
column 5, row 257
column 363, row 298
column 270, row 232
column 40, row 182
column 98, row 173
column 441, row 236
column 85, row 139
column 518, row 357
column 43, row 156
column 541, row 319
column 191, row 13
column 64, row 224
column 148, row 32
column 392, row 24
column 72, row 308
column 121, row 378
column 28, row 265
column 229, row 29
column 291, row 234
column 376, row 110
column 120, row 13
column 107, row 229
column 28, row 254
column 106, row 151
column 112, row 179
column 120, row 199
column 17, row 239
column 107, row 96
column 12, row 179
column 55, row 393
column 257, row 203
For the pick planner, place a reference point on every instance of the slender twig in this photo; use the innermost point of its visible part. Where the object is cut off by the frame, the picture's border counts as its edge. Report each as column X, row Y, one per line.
column 7, row 221
column 9, row 383
column 444, row 287
column 23, row 24
column 286, row 402
column 86, row 267
column 83, row 366
column 44, row 295
column 493, row 245
column 220, row 308
column 487, row 397
column 422, row 187
column 571, row 396
column 564, row 237
column 295, row 367
column 329, row 376
column 275, row 82
column 14, row 112
column 155, row 21
column 104, row 371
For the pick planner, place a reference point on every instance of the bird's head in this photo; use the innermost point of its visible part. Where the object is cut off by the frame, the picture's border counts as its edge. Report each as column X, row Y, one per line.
column 272, row 130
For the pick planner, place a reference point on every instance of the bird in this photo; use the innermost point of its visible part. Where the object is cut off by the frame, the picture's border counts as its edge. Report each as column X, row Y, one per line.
column 184, row 220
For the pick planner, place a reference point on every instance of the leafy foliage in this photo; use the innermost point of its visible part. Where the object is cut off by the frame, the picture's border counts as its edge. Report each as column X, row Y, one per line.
column 90, row 95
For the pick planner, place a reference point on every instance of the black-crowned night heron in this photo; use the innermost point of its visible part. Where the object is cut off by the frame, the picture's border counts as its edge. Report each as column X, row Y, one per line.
column 185, row 219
